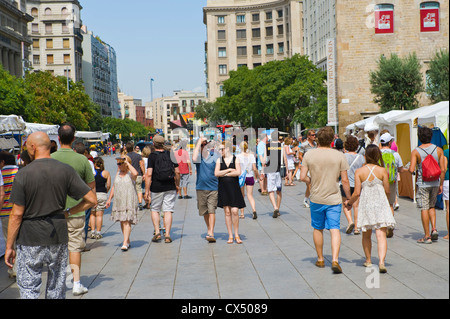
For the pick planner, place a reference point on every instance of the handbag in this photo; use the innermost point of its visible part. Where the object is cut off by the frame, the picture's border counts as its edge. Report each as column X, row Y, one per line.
column 242, row 178
column 283, row 171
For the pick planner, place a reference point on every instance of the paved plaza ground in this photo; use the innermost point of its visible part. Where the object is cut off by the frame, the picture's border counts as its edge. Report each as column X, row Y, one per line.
column 276, row 260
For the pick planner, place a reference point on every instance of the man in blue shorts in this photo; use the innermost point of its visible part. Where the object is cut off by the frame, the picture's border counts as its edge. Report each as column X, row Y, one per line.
column 325, row 165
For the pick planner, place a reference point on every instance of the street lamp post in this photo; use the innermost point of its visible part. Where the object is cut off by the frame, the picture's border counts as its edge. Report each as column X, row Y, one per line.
column 151, row 88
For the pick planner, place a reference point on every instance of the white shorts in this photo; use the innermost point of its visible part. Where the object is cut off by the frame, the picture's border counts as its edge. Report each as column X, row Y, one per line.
column 163, row 202
column 274, row 183
column 445, row 193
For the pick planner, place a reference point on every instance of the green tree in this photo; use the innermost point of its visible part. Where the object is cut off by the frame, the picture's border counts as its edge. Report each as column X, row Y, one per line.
column 125, row 127
column 54, row 104
column 14, row 99
column 438, row 77
column 275, row 94
column 397, row 82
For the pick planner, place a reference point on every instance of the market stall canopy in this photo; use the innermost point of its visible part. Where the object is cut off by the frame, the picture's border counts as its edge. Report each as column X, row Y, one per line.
column 92, row 135
column 10, row 123
column 51, row 130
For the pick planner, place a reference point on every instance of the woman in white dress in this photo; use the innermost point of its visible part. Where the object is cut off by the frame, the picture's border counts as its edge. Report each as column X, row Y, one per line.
column 372, row 189
column 289, row 161
column 248, row 164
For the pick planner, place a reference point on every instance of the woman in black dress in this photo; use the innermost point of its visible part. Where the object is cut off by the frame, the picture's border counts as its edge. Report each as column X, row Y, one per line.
column 231, row 200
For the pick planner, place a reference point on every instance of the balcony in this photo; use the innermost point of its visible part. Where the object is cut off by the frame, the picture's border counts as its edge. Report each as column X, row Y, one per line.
column 55, row 17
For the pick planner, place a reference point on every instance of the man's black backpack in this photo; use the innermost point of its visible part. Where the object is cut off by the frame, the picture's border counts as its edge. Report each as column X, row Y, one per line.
column 164, row 170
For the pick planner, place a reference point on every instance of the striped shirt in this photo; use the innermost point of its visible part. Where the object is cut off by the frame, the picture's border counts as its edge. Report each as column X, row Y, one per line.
column 8, row 174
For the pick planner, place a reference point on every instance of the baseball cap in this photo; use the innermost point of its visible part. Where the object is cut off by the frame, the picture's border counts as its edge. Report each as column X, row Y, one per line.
column 158, row 139
column 386, row 138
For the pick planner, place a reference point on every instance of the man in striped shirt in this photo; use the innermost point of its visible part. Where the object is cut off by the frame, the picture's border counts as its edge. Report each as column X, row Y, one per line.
column 9, row 170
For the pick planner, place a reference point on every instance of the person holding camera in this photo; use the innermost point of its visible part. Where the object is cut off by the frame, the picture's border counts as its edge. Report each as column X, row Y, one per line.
column 125, row 208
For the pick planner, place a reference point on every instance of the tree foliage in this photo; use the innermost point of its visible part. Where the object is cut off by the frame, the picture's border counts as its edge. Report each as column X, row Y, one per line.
column 438, row 77
column 273, row 95
column 397, row 83
column 44, row 98
column 125, row 128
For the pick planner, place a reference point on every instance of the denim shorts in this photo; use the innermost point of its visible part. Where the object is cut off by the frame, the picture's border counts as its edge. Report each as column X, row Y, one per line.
column 325, row 216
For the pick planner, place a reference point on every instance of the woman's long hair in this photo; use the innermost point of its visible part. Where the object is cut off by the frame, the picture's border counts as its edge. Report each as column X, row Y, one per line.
column 374, row 156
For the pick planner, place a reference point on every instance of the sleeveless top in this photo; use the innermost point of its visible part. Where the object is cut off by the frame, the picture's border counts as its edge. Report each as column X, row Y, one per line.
column 374, row 210
column 431, row 150
column 100, row 182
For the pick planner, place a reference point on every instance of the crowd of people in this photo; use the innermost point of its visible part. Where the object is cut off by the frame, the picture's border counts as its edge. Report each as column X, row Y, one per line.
column 57, row 197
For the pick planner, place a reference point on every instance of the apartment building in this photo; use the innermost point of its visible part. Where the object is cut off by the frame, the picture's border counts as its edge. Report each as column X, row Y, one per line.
column 100, row 73
column 166, row 111
column 56, row 36
column 131, row 108
column 248, row 33
column 14, row 39
column 319, row 24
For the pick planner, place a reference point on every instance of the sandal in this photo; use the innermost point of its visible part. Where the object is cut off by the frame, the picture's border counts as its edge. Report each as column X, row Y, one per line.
column 230, row 240
column 241, row 216
column 210, row 239
column 238, row 240
column 167, row 240
column 425, row 240
column 156, row 238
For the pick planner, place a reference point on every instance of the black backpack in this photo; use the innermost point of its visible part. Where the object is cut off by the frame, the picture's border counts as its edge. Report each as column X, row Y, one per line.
column 164, row 170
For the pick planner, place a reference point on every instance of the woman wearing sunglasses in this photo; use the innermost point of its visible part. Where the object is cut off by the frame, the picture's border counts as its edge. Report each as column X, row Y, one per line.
column 228, row 170
column 125, row 208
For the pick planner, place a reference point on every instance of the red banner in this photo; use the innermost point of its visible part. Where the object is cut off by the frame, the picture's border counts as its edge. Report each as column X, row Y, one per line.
column 384, row 21
column 429, row 20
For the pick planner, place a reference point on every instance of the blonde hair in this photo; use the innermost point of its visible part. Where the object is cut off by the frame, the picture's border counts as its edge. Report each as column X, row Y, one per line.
column 146, row 151
column 288, row 141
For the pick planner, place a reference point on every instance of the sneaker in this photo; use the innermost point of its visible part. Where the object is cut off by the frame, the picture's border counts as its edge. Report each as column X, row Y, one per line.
column 187, row 197
column 180, row 197
column 305, row 202
column 93, row 235
column 98, row 236
column 80, row 290
column 140, row 207
column 396, row 207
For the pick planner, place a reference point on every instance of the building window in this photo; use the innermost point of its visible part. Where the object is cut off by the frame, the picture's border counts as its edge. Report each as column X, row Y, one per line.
column 36, row 59
column 281, row 47
column 269, row 15
column 241, row 34
column 256, row 33
column 50, row 59
column 241, row 51
column 49, row 43
column 241, row 65
column 280, row 13
column 221, row 34
column 255, row 17
column 222, row 91
column 64, row 11
column 256, row 50
column 269, row 31
column 222, row 52
column 280, row 30
column 66, row 43
column 269, row 48
column 48, row 11
column 35, row 43
column 429, row 16
column 223, row 69
column 240, row 18
column 34, row 12
column 48, row 28
column 221, row 19
column 66, row 58
column 65, row 28
column 384, row 18
column 34, row 28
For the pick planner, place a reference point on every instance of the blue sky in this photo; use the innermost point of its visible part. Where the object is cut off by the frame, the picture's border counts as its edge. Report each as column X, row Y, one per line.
column 159, row 39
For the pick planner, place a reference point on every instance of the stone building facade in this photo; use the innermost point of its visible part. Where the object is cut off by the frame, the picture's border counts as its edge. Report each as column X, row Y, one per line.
column 14, row 40
column 368, row 29
column 248, row 33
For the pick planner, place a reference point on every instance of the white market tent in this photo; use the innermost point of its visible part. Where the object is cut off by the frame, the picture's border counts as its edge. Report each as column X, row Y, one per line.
column 11, row 123
column 94, row 136
column 372, row 123
column 404, row 128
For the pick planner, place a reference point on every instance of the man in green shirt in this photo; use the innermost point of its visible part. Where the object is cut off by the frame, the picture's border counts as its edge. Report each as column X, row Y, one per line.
column 76, row 222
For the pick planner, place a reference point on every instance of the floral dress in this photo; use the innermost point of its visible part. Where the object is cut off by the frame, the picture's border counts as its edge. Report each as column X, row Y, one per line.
column 125, row 206
column 374, row 211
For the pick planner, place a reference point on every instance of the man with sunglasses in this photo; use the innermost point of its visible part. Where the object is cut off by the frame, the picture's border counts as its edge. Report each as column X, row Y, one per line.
column 310, row 144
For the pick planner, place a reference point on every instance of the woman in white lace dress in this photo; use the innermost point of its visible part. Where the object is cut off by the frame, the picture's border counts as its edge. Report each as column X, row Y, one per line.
column 125, row 208
column 372, row 189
